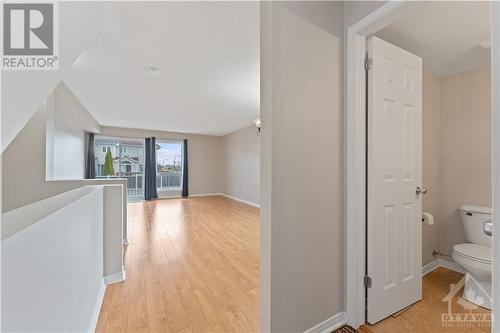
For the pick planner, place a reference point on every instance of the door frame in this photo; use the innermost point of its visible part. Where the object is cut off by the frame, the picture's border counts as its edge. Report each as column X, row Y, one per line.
column 355, row 149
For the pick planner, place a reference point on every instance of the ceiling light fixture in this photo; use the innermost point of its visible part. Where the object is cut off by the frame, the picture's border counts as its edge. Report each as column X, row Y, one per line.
column 152, row 70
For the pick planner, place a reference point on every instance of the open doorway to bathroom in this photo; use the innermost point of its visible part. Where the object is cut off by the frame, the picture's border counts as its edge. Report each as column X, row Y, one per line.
column 429, row 150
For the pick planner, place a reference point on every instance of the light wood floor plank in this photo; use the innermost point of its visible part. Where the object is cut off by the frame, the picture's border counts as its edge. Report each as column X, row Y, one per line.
column 192, row 266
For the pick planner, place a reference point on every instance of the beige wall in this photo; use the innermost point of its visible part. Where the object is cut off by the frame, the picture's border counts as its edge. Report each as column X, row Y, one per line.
column 67, row 122
column 50, row 149
column 299, row 115
column 241, row 172
column 302, row 140
column 205, row 155
column 465, row 151
column 456, row 154
column 24, row 170
column 431, row 126
column 24, row 166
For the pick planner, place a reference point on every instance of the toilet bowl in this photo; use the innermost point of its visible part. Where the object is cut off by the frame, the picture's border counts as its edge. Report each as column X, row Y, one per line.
column 475, row 256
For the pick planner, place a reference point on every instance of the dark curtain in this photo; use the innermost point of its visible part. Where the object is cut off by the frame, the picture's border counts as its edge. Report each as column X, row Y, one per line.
column 185, row 183
column 90, row 158
column 150, row 191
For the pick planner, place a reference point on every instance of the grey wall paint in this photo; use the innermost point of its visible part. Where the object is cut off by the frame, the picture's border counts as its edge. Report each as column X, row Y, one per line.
column 67, row 122
column 205, row 154
column 465, row 151
column 24, row 169
column 241, row 172
column 456, row 154
column 302, row 111
column 431, row 129
column 266, row 101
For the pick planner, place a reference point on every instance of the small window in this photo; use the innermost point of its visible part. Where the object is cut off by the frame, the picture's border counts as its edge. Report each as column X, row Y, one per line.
column 103, row 149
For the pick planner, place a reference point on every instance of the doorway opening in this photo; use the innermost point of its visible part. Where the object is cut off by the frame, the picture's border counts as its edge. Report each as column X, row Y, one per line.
column 358, row 146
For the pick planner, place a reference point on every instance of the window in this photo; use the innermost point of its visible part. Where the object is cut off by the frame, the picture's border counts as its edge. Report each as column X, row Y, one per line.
column 126, row 161
column 169, row 165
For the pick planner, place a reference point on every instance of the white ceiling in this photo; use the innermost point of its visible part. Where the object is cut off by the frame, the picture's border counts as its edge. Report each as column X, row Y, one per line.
column 207, row 54
column 23, row 92
column 445, row 34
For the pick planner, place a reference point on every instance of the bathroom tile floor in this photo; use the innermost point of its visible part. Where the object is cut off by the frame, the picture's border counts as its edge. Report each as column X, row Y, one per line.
column 427, row 315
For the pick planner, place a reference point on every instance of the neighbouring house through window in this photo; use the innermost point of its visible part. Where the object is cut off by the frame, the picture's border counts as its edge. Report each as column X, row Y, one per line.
column 121, row 158
column 124, row 158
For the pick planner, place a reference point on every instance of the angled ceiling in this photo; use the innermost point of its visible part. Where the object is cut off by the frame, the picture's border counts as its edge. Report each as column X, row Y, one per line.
column 188, row 67
column 23, row 92
column 445, row 34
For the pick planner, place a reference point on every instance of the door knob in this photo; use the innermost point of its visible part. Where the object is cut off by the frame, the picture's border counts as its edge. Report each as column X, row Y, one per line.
column 488, row 228
column 419, row 190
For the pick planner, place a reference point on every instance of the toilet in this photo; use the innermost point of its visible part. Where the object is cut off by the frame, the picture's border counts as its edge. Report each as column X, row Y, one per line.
column 476, row 255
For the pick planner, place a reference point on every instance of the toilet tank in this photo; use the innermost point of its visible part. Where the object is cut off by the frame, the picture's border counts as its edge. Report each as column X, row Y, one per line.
column 473, row 220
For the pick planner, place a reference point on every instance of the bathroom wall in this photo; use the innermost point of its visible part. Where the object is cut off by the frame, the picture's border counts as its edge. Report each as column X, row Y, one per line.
column 456, row 154
column 431, row 124
column 465, row 151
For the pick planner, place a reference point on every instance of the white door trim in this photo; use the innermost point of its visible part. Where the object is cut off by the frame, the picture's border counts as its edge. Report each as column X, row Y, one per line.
column 495, row 130
column 356, row 150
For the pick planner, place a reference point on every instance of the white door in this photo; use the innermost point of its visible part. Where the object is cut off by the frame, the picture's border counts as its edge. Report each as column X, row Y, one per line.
column 394, row 235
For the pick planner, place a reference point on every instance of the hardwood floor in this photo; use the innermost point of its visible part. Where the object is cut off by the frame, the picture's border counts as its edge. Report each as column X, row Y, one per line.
column 425, row 316
column 192, row 266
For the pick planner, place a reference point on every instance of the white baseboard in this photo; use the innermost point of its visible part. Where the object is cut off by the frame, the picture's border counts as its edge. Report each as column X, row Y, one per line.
column 227, row 196
column 114, row 278
column 219, row 194
column 426, row 269
column 451, row 266
column 442, row 263
column 205, row 195
column 329, row 325
column 108, row 279
column 97, row 309
column 241, row 200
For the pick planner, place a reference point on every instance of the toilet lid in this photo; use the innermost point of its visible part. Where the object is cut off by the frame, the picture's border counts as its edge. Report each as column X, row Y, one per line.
column 474, row 251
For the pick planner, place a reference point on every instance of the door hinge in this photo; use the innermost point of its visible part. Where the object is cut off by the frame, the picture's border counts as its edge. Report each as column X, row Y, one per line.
column 368, row 63
column 368, row 281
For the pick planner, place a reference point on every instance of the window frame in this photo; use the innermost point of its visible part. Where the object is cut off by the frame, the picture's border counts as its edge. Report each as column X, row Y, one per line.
column 170, row 191
column 117, row 143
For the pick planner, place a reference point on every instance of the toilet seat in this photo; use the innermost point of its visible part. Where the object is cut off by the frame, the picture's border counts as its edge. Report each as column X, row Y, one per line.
column 474, row 252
